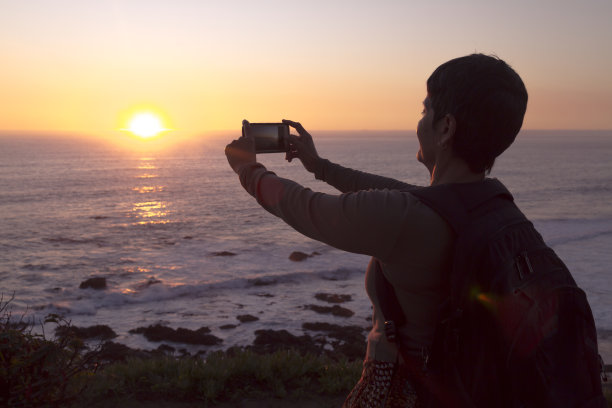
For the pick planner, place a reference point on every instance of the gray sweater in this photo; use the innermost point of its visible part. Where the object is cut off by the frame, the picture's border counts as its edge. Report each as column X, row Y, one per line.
column 375, row 216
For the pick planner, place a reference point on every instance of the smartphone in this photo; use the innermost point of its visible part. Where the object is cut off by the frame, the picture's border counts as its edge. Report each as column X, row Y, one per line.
column 269, row 137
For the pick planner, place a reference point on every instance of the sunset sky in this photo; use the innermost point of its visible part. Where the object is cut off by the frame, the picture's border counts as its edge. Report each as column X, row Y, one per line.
column 86, row 66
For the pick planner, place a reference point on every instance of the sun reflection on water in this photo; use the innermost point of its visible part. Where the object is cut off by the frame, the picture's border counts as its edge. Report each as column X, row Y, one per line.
column 148, row 189
column 151, row 210
column 147, row 163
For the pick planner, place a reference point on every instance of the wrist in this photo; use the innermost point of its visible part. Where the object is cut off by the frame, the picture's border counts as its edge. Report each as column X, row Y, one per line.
column 247, row 166
column 319, row 168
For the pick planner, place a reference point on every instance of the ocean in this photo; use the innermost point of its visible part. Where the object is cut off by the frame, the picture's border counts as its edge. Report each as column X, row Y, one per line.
column 180, row 242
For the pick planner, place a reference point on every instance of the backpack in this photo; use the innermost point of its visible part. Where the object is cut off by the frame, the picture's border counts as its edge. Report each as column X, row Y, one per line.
column 516, row 330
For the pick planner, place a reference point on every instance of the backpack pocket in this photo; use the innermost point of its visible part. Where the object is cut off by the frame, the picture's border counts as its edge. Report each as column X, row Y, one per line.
column 553, row 355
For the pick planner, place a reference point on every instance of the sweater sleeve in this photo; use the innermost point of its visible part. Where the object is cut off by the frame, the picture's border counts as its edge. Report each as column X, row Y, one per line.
column 347, row 180
column 364, row 222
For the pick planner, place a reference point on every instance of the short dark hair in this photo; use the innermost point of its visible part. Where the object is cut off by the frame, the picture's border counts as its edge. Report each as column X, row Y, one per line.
column 488, row 100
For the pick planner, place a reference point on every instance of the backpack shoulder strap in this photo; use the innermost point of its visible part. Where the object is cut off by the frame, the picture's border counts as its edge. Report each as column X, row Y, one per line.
column 475, row 212
column 457, row 203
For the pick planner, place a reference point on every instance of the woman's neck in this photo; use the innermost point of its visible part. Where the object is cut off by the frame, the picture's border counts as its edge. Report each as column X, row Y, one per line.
column 454, row 170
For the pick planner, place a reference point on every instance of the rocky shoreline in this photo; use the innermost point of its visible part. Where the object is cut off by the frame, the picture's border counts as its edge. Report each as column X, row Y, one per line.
column 320, row 338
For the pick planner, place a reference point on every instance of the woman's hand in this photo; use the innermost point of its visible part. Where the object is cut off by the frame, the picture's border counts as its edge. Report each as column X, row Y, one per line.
column 241, row 151
column 302, row 147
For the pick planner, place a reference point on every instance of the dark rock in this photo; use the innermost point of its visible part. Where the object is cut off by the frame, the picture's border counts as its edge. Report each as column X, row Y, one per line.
column 265, row 295
column 223, row 253
column 93, row 283
column 298, row 256
column 334, row 310
column 353, row 350
column 336, row 331
column 269, row 341
column 148, row 282
column 152, row 281
column 350, row 340
column 163, row 333
column 228, row 326
column 247, row 318
column 322, row 326
column 99, row 331
column 166, row 349
column 113, row 352
column 263, row 281
column 187, row 237
column 333, row 298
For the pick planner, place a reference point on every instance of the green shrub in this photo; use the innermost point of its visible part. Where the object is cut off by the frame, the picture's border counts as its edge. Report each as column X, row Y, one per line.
column 35, row 371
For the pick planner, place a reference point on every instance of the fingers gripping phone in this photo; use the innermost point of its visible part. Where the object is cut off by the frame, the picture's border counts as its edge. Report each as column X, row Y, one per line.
column 269, row 137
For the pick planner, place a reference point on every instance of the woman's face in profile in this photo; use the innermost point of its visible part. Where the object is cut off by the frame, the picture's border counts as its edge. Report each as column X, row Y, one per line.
column 427, row 136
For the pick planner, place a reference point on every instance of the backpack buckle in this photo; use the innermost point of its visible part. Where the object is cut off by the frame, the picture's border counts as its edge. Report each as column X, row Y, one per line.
column 390, row 331
column 425, row 358
column 523, row 265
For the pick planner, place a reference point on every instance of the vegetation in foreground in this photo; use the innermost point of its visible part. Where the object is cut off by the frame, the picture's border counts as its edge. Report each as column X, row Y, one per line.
column 36, row 371
column 222, row 377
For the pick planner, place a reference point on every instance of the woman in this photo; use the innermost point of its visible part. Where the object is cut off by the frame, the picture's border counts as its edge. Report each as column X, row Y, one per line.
column 410, row 244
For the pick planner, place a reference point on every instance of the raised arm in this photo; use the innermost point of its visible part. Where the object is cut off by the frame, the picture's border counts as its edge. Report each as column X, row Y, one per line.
column 354, row 222
column 365, row 222
column 342, row 178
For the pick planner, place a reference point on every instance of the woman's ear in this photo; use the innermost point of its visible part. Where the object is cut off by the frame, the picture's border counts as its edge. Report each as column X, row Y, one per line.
column 448, row 125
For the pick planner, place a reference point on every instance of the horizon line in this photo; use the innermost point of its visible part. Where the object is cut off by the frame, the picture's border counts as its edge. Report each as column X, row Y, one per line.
column 204, row 132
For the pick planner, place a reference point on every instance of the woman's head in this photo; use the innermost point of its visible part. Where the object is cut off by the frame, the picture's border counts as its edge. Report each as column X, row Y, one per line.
column 487, row 99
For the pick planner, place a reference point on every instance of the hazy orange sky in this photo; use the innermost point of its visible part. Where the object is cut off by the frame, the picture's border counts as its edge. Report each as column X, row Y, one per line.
column 82, row 66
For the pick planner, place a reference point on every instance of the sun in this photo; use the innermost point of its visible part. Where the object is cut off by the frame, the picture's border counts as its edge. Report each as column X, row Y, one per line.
column 145, row 125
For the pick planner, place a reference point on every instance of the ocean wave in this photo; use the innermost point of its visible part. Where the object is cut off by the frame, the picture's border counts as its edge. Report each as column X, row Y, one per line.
column 75, row 241
column 582, row 237
column 39, row 267
column 154, row 290
column 564, row 231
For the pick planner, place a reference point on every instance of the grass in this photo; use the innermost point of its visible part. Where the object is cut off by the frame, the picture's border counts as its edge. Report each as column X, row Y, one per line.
column 237, row 378
column 222, row 377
